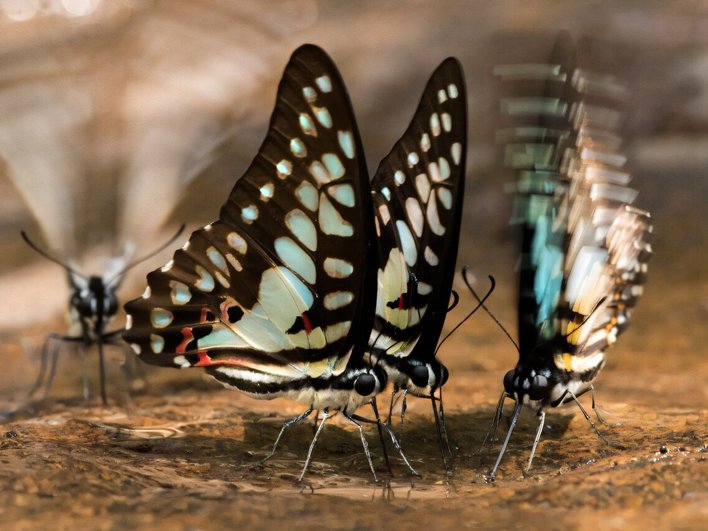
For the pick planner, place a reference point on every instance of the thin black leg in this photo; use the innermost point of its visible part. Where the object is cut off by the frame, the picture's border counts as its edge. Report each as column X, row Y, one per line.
column 381, row 437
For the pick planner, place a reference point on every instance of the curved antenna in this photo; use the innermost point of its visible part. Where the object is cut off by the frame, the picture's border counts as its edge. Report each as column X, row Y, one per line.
column 147, row 256
column 470, row 314
column 484, row 307
column 456, row 297
column 587, row 318
column 49, row 257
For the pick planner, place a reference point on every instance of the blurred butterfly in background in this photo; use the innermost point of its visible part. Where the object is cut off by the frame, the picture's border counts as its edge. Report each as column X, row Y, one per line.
column 94, row 134
column 584, row 246
column 93, row 306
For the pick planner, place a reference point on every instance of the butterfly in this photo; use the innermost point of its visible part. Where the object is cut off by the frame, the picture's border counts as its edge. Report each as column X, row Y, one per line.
column 93, row 306
column 274, row 298
column 418, row 193
column 584, row 246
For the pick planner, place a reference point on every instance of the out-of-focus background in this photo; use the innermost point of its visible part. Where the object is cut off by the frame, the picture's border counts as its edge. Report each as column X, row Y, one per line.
column 121, row 119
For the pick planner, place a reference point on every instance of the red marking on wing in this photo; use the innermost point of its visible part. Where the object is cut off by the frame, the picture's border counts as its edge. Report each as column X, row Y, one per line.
column 206, row 361
column 188, row 337
column 401, row 302
column 306, row 322
column 203, row 316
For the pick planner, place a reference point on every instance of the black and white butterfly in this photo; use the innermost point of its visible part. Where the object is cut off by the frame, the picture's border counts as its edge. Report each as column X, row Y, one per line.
column 418, row 193
column 93, row 306
column 584, row 246
column 275, row 298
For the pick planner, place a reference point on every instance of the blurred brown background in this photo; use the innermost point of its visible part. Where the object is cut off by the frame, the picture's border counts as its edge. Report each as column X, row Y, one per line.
column 121, row 119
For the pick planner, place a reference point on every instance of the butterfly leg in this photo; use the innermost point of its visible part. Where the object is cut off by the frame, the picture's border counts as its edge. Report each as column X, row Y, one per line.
column 587, row 417
column 85, row 379
column 600, row 418
column 289, row 423
column 381, row 437
column 492, row 432
column 52, row 371
column 42, row 367
column 102, row 372
column 392, row 403
column 352, row 420
column 394, row 440
column 450, row 445
column 325, row 416
column 404, row 407
column 442, row 439
column 514, row 419
column 539, row 431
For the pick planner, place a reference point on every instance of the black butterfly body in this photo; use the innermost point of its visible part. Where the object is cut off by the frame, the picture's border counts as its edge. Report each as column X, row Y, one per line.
column 584, row 247
column 418, row 196
column 93, row 305
column 274, row 298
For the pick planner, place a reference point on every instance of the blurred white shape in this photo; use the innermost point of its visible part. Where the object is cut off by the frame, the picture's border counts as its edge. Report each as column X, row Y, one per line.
column 38, row 143
column 19, row 10
column 79, row 8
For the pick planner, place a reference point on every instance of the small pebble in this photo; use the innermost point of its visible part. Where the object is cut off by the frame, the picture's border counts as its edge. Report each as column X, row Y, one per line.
column 10, row 434
column 663, row 449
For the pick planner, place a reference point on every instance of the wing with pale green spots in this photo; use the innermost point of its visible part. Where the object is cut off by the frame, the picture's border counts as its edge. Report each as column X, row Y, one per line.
column 418, row 194
column 584, row 246
column 276, row 289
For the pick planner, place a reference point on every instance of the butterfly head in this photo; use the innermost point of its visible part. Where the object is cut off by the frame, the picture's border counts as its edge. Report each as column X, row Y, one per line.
column 553, row 379
column 92, row 302
column 425, row 378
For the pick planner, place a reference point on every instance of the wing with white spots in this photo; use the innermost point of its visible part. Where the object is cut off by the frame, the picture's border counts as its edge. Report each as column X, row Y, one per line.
column 279, row 284
column 418, row 195
column 584, row 246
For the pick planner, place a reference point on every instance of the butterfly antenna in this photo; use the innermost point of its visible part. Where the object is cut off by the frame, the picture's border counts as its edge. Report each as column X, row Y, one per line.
column 471, row 313
column 147, row 256
column 484, row 307
column 587, row 317
column 456, row 299
column 49, row 257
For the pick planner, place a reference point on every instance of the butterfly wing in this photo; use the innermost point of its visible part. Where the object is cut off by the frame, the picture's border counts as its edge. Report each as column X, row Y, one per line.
column 275, row 290
column 584, row 247
column 418, row 194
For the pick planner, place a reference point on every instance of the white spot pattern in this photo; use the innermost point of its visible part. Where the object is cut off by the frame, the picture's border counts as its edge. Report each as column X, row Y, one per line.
column 346, row 142
column 338, row 268
column 415, row 215
column 297, row 148
column 249, row 214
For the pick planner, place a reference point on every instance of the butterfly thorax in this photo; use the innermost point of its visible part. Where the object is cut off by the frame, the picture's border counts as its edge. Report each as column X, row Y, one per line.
column 415, row 376
column 549, row 378
column 91, row 307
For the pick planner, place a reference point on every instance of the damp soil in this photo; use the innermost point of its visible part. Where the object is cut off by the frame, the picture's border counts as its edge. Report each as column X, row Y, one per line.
column 186, row 454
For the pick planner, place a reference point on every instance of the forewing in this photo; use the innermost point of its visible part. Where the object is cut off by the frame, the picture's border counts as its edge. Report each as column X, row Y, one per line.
column 280, row 281
column 418, row 194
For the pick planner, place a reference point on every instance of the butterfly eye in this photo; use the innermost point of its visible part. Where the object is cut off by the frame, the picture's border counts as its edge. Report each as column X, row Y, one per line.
column 509, row 382
column 365, row 384
column 420, row 375
column 444, row 375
